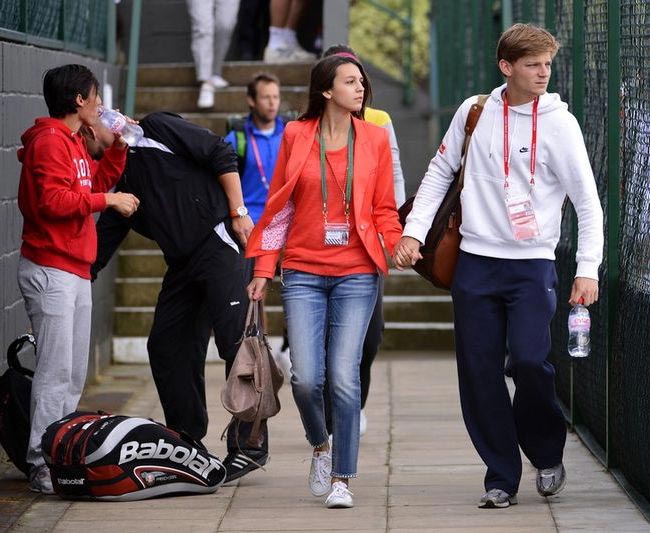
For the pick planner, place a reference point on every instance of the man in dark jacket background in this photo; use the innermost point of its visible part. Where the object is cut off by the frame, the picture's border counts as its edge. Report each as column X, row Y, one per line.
column 191, row 204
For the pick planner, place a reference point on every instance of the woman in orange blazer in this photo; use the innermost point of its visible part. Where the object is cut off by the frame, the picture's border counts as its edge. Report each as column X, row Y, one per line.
column 330, row 205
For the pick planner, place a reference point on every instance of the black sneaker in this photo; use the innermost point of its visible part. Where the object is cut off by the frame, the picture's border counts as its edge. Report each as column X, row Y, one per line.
column 239, row 464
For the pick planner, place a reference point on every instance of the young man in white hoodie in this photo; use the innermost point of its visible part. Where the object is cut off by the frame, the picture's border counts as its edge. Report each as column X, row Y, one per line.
column 526, row 154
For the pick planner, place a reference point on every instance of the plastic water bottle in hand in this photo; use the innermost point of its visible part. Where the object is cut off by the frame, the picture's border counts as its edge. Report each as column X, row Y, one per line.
column 117, row 123
column 579, row 325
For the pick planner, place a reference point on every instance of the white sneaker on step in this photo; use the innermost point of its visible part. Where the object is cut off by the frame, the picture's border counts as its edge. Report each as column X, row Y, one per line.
column 363, row 423
column 206, row 96
column 218, row 82
column 293, row 54
column 340, row 497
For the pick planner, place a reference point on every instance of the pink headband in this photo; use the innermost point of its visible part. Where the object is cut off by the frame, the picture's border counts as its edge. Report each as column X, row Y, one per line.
column 347, row 54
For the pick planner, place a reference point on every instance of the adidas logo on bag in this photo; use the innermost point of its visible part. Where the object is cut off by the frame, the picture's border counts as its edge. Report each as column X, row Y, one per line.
column 192, row 459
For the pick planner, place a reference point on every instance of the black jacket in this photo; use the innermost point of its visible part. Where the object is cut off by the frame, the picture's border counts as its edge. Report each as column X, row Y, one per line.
column 181, row 199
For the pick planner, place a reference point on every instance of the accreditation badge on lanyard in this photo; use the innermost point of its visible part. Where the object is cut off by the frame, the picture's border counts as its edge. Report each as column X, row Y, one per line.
column 337, row 233
column 521, row 212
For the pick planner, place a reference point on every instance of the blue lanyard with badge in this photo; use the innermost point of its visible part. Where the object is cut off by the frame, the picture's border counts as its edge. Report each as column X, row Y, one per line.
column 521, row 213
column 337, row 233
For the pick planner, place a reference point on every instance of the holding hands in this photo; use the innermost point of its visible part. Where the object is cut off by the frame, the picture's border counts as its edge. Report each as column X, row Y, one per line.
column 407, row 252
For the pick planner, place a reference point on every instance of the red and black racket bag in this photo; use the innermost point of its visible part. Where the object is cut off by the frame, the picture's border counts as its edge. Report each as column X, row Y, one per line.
column 120, row 458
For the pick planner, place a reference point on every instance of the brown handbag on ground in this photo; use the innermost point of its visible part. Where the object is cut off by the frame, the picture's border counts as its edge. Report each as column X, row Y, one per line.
column 251, row 390
column 442, row 244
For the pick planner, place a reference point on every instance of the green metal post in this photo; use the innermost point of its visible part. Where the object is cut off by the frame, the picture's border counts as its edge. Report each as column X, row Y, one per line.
column 408, row 55
column 549, row 22
column 134, row 45
column 434, row 77
column 506, row 14
column 476, row 47
column 458, row 87
column 63, row 27
column 577, row 100
column 549, row 16
column 527, row 13
column 111, row 30
column 578, row 61
column 23, row 24
column 613, row 198
column 491, row 76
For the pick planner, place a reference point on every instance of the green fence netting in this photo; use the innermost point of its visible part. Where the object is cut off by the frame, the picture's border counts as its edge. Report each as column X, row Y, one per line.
column 79, row 26
column 562, row 82
column 630, row 377
column 607, row 395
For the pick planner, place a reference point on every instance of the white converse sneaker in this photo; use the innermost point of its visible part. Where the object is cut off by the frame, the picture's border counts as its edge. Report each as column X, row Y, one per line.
column 218, row 82
column 340, row 497
column 206, row 96
column 319, row 473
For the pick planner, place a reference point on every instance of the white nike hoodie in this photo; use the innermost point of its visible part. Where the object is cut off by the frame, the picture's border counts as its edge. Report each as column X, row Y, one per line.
column 562, row 168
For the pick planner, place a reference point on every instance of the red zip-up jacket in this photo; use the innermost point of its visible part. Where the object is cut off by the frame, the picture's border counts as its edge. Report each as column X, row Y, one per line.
column 57, row 195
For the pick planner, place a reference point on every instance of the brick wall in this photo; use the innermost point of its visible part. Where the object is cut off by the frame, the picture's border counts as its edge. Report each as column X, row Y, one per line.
column 21, row 71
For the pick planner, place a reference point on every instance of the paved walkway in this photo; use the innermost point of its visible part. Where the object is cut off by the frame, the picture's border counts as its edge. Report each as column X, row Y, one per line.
column 418, row 472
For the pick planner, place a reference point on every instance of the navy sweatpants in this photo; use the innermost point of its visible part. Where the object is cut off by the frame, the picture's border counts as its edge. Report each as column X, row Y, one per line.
column 499, row 304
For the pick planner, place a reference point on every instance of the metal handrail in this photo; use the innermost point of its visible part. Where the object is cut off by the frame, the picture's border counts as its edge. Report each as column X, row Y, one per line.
column 407, row 49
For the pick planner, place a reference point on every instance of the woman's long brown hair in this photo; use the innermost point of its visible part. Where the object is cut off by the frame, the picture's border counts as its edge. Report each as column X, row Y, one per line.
column 322, row 79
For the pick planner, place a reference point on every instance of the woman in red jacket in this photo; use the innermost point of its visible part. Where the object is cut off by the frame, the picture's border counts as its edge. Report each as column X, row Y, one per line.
column 330, row 205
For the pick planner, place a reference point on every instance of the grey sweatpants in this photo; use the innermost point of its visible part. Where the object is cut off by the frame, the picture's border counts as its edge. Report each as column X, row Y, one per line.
column 58, row 304
column 213, row 22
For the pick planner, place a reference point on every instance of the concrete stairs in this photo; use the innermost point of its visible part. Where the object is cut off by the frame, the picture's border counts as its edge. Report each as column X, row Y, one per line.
column 417, row 316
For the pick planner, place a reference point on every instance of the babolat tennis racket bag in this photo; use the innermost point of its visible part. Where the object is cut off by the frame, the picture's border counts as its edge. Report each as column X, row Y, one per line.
column 120, row 458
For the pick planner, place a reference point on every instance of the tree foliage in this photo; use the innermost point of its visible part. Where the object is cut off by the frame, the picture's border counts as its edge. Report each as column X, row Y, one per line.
column 381, row 39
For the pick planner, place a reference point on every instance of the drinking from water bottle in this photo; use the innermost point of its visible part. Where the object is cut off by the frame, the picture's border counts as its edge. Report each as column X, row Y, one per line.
column 118, row 123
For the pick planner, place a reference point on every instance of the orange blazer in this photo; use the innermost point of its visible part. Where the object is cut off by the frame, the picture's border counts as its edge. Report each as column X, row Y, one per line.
column 373, row 197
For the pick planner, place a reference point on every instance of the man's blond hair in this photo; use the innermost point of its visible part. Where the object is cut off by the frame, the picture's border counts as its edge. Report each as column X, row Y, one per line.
column 521, row 40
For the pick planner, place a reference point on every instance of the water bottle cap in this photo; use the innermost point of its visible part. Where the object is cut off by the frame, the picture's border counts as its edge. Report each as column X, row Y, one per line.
column 581, row 301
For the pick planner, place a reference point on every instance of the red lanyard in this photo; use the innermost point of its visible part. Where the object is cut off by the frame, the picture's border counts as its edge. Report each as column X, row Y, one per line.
column 506, row 143
column 258, row 160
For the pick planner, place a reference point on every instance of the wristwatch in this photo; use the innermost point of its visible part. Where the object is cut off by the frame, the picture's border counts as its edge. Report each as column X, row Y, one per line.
column 240, row 212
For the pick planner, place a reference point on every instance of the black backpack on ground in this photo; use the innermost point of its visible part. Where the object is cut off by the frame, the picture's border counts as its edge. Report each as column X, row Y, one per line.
column 97, row 456
column 15, row 393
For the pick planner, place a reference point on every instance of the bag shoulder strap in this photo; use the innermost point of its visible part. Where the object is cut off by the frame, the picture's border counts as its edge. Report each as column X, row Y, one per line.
column 241, row 143
column 470, row 125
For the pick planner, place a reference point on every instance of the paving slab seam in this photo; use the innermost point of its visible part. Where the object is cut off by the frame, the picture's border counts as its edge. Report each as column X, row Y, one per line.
column 550, row 510
column 389, row 443
column 225, row 512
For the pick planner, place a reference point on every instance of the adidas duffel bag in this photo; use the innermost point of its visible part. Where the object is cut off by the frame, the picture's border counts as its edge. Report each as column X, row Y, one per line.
column 99, row 456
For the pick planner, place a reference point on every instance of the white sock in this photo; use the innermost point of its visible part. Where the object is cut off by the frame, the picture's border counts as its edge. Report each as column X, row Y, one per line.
column 276, row 37
column 290, row 40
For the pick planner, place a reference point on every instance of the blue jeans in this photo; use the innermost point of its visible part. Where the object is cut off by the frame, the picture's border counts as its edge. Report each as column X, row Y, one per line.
column 339, row 306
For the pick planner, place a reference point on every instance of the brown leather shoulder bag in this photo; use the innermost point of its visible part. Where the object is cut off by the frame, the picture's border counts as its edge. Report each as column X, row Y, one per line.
column 442, row 244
